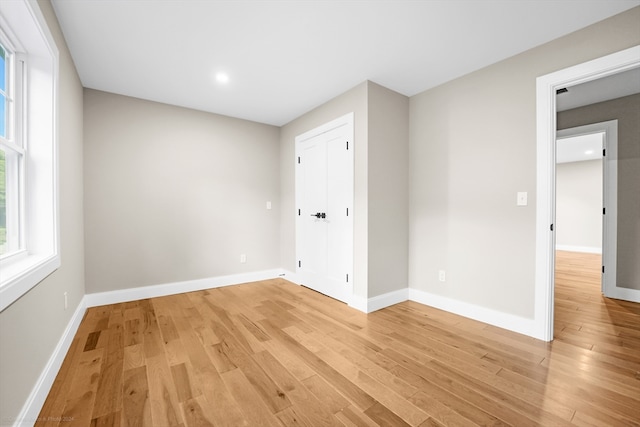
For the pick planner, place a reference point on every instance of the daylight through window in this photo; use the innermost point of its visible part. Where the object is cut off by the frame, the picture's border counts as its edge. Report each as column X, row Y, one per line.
column 11, row 151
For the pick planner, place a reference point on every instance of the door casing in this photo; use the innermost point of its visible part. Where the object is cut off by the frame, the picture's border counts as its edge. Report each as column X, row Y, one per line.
column 546, row 87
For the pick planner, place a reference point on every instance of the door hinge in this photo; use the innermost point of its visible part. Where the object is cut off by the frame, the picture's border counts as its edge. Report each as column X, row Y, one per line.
column 299, row 263
column 603, row 269
column 298, row 159
column 604, row 211
column 298, row 212
column 551, row 227
column 347, row 278
column 347, row 211
column 347, row 145
column 604, row 152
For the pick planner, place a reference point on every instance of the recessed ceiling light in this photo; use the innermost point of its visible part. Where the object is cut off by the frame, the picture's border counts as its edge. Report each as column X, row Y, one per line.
column 222, row 78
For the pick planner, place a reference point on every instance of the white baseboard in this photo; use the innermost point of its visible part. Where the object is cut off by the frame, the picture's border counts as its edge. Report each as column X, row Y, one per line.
column 32, row 407
column 496, row 318
column 492, row 317
column 368, row 305
column 627, row 294
column 359, row 303
column 365, row 305
column 144, row 292
column 585, row 249
column 388, row 299
column 507, row 321
column 290, row 276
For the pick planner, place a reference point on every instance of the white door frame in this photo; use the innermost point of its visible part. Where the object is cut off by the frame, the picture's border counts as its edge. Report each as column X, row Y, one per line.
column 546, row 87
column 609, row 129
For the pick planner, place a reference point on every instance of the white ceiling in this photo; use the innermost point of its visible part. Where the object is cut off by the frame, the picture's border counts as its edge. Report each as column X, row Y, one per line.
column 603, row 89
column 286, row 57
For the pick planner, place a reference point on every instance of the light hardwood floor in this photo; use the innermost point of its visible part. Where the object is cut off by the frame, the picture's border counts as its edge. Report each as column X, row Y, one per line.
column 273, row 353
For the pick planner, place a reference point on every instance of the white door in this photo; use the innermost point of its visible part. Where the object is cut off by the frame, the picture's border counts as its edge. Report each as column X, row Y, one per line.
column 324, row 203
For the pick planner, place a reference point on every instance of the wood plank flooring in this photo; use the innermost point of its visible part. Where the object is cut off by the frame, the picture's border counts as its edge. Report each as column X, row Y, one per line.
column 275, row 354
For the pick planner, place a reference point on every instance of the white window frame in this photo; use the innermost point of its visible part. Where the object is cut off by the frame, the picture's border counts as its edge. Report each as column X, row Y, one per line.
column 13, row 146
column 38, row 256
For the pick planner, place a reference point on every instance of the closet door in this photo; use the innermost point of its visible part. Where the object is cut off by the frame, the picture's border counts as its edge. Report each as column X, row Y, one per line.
column 324, row 199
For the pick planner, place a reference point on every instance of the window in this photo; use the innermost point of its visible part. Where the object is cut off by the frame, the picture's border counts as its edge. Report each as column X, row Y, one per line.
column 11, row 152
column 29, row 247
column 5, row 75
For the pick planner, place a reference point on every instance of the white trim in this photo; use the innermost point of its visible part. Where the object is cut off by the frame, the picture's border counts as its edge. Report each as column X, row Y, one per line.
column 144, row 292
column 546, row 87
column 626, row 294
column 32, row 407
column 363, row 304
column 347, row 119
column 500, row 319
column 23, row 274
column 290, row 276
column 503, row 320
column 382, row 301
column 359, row 303
column 583, row 249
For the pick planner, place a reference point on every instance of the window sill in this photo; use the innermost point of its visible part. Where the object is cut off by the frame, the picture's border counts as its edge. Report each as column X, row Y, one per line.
column 18, row 276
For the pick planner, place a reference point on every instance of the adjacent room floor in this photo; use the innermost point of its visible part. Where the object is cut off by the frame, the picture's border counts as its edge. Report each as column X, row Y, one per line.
column 272, row 353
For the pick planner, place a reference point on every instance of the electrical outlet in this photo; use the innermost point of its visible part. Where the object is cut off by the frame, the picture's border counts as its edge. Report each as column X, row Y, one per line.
column 441, row 275
column 243, row 258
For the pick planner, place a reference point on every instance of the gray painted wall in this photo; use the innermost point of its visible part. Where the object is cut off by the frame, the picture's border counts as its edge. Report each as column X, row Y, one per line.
column 388, row 190
column 473, row 146
column 173, row 194
column 32, row 326
column 579, row 204
column 627, row 111
column 156, row 209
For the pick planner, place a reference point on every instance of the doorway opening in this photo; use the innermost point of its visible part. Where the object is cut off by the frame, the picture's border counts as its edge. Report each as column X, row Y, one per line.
column 586, row 208
column 546, row 87
column 579, row 191
column 580, row 211
column 586, row 219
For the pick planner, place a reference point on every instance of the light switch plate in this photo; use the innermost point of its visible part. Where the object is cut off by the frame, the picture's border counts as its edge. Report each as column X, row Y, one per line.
column 522, row 198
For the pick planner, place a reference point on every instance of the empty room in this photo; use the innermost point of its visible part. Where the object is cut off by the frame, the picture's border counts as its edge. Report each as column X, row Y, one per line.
column 309, row 213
